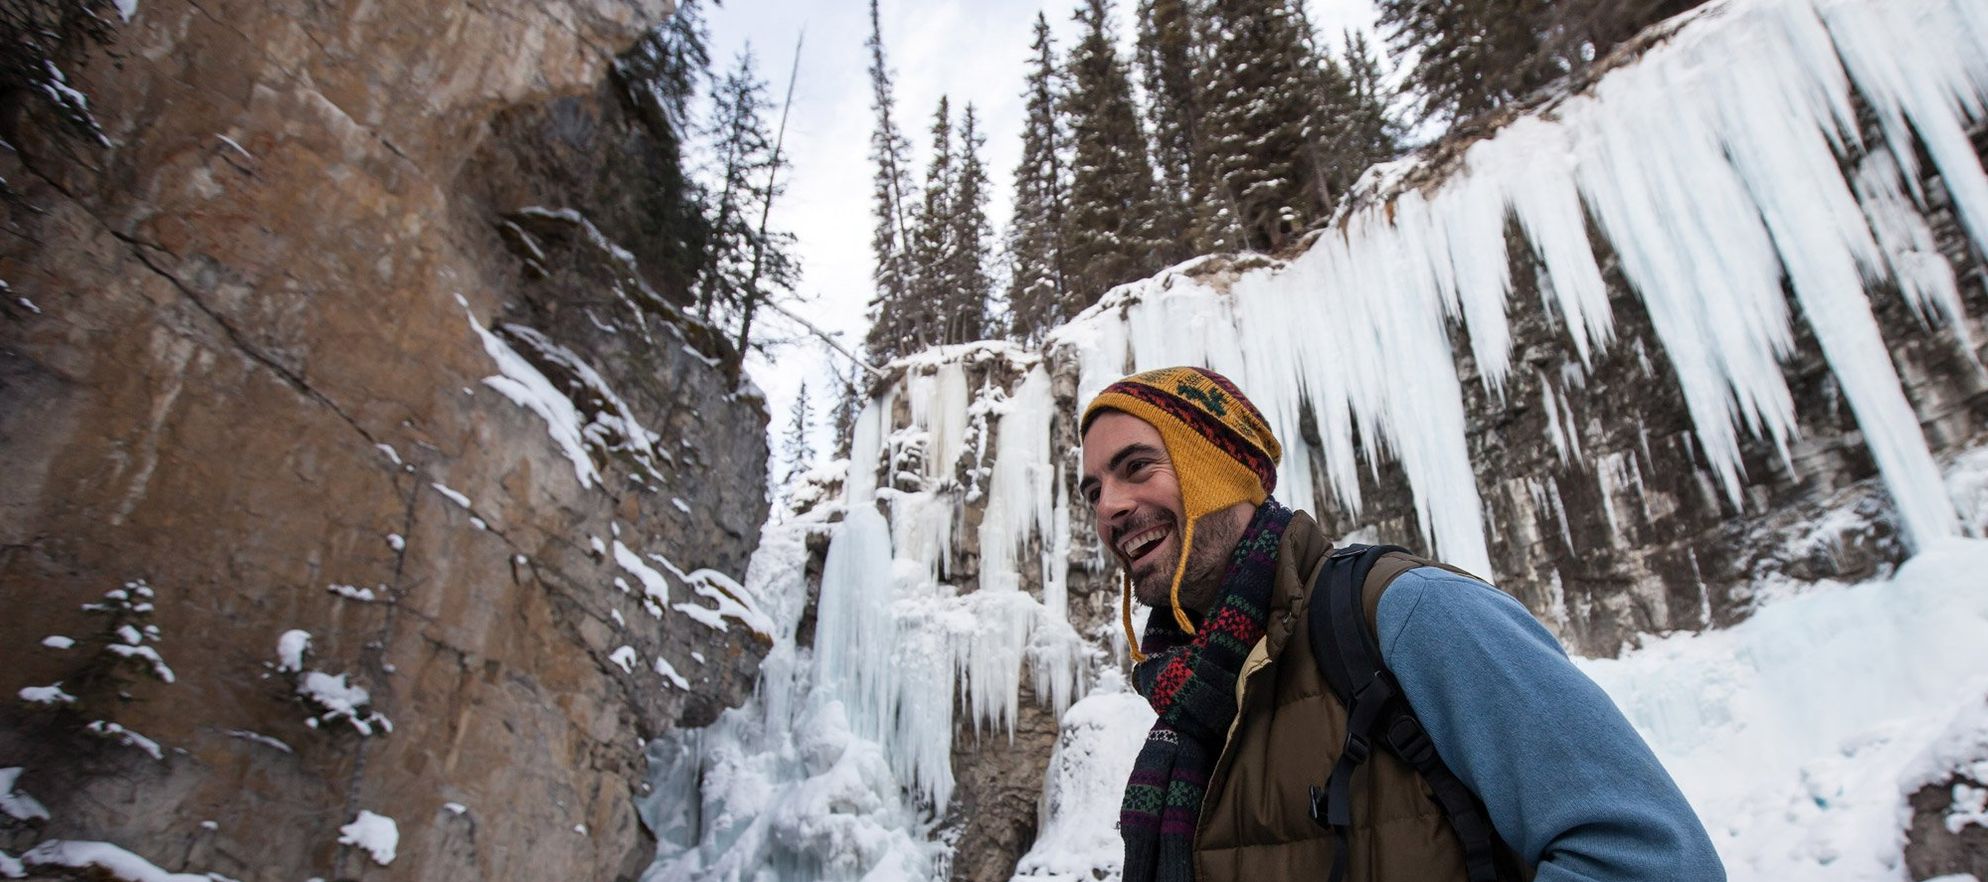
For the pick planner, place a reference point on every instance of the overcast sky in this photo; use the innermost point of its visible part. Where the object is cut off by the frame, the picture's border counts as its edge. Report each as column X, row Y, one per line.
column 969, row 51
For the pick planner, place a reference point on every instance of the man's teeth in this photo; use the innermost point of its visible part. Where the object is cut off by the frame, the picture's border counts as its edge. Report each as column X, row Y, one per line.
column 1138, row 543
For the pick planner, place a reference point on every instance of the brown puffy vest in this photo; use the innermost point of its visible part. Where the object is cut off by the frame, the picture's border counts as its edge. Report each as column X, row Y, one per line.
column 1256, row 820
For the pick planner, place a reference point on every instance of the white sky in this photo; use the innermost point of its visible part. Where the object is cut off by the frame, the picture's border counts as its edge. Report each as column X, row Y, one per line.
column 974, row 52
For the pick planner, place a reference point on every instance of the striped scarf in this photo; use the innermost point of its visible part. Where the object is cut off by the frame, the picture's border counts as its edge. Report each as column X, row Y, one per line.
column 1191, row 684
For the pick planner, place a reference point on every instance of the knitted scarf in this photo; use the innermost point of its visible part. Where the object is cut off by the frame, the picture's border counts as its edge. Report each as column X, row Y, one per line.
column 1191, row 684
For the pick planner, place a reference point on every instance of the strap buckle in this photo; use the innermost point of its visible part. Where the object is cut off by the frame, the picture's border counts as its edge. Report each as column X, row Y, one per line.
column 1411, row 741
column 1318, row 810
column 1357, row 748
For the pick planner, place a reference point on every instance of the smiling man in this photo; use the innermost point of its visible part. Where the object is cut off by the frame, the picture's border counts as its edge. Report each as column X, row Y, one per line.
column 1178, row 468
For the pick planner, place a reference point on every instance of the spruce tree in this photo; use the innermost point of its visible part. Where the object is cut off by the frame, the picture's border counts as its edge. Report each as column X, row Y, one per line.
column 1471, row 55
column 744, row 159
column 1474, row 56
column 794, row 446
column 1169, row 30
column 1262, row 123
column 1110, row 237
column 1036, row 277
column 971, row 240
column 848, row 406
column 932, row 246
column 659, row 76
column 890, row 240
column 1359, row 131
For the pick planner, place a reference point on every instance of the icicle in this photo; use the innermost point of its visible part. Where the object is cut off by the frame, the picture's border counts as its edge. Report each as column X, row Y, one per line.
column 1020, row 495
column 864, row 449
column 1710, row 167
column 1924, row 276
column 854, row 631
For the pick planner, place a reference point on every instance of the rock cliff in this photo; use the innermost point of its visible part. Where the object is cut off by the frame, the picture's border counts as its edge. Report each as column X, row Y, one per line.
column 358, row 457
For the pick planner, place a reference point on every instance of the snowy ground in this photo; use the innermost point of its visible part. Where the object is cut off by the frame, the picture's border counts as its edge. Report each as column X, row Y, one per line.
column 1799, row 733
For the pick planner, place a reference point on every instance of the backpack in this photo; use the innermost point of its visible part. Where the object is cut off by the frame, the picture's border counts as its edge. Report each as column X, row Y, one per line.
column 1343, row 643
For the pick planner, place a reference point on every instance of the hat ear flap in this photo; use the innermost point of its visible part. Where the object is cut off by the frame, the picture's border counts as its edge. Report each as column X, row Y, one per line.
column 1125, row 608
column 1180, row 572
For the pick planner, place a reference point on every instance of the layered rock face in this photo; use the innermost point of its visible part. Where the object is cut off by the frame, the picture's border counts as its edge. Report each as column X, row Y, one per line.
column 363, row 328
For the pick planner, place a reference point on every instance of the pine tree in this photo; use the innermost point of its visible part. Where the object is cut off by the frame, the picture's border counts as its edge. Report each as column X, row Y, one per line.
column 1358, row 130
column 1375, row 131
column 1262, row 122
column 1109, row 237
column 1167, row 62
column 661, row 72
column 1471, row 55
column 773, row 263
column 746, row 259
column 1036, row 278
column 794, row 446
column 1474, row 56
column 659, row 75
column 848, row 406
column 932, row 246
column 971, row 240
column 744, row 156
column 890, row 241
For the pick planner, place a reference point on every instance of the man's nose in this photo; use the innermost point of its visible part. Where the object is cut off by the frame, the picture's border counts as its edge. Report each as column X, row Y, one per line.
column 1113, row 503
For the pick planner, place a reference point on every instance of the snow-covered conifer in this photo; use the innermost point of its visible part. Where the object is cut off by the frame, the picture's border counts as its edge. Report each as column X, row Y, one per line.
column 1165, row 56
column 1110, row 236
column 794, row 446
column 931, row 241
column 890, row 241
column 1036, row 279
column 970, row 258
column 1261, row 123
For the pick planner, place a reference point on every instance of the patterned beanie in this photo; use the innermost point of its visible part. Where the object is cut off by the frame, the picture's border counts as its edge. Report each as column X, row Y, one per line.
column 1222, row 450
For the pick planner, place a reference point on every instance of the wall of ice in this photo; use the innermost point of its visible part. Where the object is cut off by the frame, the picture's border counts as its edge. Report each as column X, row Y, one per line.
column 898, row 632
column 1723, row 174
column 1712, row 168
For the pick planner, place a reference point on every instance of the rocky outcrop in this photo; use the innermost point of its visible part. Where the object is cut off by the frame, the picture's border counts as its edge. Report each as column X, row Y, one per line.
column 361, row 327
column 1938, row 848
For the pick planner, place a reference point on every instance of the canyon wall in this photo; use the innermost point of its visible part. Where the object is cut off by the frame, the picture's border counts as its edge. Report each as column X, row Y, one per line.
column 359, row 457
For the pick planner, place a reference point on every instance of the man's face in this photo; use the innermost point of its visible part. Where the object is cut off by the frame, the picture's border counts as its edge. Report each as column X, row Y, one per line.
column 1133, row 491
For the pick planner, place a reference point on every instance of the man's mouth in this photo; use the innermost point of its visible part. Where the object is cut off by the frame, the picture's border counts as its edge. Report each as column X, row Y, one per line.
column 1140, row 543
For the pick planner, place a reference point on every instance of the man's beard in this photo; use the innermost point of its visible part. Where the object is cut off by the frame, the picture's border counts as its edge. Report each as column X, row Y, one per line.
column 1215, row 538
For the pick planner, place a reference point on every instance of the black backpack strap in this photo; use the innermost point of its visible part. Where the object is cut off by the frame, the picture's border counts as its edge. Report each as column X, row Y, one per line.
column 1350, row 659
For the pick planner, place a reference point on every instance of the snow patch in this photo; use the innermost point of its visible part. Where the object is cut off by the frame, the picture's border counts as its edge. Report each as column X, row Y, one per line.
column 259, row 738
column 519, row 381
column 625, row 657
column 453, row 496
column 668, row 671
column 50, row 694
column 354, row 592
column 103, row 857
column 17, row 803
column 290, row 649
column 335, row 700
column 376, row 834
column 112, row 731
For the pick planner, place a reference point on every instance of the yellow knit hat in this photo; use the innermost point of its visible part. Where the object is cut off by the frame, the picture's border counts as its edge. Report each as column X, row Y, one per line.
column 1222, row 450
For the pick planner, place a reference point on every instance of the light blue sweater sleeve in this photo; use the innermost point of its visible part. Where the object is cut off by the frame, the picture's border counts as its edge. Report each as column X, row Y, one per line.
column 1567, row 781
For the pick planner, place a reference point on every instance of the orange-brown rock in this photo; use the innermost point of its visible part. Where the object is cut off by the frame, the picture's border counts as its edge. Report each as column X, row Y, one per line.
column 234, row 367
